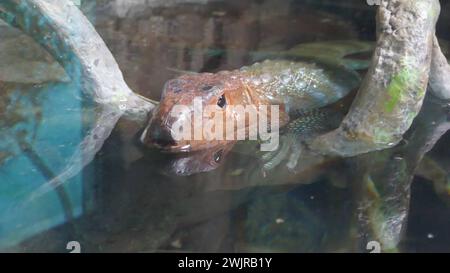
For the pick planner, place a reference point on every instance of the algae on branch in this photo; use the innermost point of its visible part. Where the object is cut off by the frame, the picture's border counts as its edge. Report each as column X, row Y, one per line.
column 393, row 90
column 404, row 81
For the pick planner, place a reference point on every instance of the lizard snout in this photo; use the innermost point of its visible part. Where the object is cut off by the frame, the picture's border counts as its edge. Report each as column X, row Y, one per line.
column 158, row 136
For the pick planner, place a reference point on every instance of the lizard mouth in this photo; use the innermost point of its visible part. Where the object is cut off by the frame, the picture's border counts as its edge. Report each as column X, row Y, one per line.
column 161, row 138
column 183, row 148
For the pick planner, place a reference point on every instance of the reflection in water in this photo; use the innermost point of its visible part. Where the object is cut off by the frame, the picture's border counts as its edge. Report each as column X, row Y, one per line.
column 198, row 162
column 225, row 199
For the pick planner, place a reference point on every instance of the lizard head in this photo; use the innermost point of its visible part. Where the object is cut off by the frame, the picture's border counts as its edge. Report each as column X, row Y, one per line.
column 188, row 104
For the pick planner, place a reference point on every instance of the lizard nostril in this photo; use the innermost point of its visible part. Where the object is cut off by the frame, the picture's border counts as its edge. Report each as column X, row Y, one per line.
column 161, row 137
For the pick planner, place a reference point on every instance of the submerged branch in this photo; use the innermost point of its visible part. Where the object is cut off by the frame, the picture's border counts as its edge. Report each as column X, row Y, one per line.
column 40, row 164
column 85, row 152
column 383, row 178
column 62, row 29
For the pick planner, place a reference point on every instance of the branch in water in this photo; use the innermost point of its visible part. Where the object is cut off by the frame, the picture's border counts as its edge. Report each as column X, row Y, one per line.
column 383, row 178
column 61, row 28
column 394, row 88
column 85, row 152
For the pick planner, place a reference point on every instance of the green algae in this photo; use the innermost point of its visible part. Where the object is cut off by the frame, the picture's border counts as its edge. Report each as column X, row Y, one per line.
column 400, row 85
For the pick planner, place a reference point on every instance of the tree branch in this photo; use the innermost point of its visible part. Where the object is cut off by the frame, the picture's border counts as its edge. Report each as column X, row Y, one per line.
column 393, row 90
column 62, row 29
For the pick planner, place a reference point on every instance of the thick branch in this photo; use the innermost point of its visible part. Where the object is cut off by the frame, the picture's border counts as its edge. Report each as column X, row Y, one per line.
column 61, row 28
column 394, row 88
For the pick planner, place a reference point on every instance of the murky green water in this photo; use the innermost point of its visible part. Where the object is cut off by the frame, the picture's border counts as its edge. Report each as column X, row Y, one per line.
column 133, row 199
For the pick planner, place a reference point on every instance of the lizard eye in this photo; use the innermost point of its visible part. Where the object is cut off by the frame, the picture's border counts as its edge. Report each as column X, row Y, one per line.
column 222, row 101
column 218, row 156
